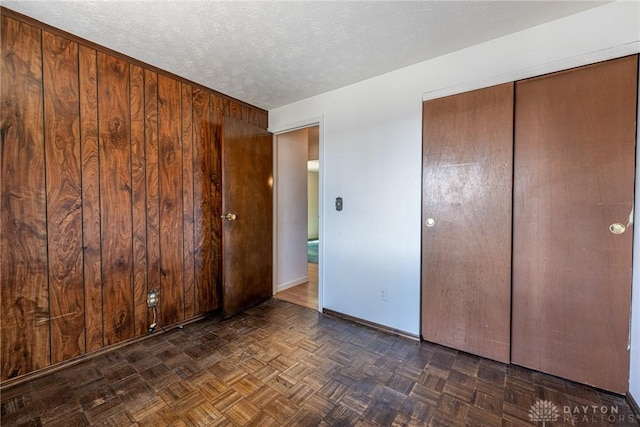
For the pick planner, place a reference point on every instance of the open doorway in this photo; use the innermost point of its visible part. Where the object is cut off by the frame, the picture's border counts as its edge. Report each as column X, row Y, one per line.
column 297, row 217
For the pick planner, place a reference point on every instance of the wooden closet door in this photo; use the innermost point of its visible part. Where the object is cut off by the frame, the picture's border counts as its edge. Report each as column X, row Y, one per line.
column 574, row 177
column 466, row 221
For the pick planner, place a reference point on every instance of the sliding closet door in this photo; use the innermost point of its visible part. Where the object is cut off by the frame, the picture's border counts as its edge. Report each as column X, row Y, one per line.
column 466, row 221
column 574, row 183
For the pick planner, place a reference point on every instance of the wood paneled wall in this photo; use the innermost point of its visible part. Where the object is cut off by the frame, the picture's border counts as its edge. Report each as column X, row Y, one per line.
column 111, row 186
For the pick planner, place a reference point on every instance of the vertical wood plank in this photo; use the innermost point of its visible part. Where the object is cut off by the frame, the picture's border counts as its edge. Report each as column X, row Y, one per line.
column 235, row 110
column 90, row 197
column 151, row 149
column 245, row 113
column 255, row 118
column 64, row 203
column 202, row 203
column 170, row 180
column 115, row 200
column 23, row 268
column 217, row 121
column 263, row 120
column 187, row 200
column 226, row 107
column 252, row 116
column 138, row 197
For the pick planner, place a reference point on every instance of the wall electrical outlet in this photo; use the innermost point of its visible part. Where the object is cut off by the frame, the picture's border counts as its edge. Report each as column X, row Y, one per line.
column 152, row 298
column 384, row 294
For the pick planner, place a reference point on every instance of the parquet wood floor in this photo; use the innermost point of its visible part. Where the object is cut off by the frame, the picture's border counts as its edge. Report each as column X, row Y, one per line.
column 282, row 364
column 305, row 294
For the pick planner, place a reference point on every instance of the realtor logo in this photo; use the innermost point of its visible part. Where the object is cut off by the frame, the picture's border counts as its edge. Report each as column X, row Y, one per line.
column 544, row 411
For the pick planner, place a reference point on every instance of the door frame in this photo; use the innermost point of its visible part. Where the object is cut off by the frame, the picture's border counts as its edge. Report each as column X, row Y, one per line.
column 310, row 122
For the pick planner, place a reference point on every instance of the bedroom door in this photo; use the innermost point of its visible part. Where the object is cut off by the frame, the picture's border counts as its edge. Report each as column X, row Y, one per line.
column 247, row 221
column 466, row 221
column 573, row 193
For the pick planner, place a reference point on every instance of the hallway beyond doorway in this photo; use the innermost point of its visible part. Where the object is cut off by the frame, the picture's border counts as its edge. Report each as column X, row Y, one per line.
column 305, row 294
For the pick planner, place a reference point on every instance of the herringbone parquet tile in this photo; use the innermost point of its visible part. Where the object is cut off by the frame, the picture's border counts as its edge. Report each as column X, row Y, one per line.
column 282, row 365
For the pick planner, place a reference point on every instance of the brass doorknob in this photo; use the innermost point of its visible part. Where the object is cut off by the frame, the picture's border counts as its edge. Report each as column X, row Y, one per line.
column 229, row 217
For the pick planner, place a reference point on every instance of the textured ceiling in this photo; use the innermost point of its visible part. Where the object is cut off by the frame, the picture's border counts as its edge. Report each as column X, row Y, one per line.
column 271, row 53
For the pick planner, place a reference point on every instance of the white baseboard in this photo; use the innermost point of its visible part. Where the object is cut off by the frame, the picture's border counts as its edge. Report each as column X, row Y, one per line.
column 281, row 287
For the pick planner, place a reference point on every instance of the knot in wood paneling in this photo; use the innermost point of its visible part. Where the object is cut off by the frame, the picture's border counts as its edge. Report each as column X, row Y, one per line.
column 121, row 262
column 118, row 132
column 168, row 151
column 168, row 206
column 69, row 97
column 119, row 67
column 56, row 46
column 121, row 323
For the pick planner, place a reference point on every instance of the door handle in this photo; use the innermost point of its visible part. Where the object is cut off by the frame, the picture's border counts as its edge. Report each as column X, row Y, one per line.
column 229, row 217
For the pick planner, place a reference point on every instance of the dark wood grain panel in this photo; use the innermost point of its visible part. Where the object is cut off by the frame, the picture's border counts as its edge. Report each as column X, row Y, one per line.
column 574, row 176
column 97, row 216
column 134, row 61
column 115, row 198
column 64, row 196
column 23, row 267
column 217, row 121
column 187, row 200
column 170, row 181
column 235, row 110
column 264, row 120
column 245, row 114
column 226, row 107
column 153, row 203
column 258, row 118
column 466, row 192
column 138, row 199
column 88, row 87
column 202, row 203
column 247, row 179
column 252, row 117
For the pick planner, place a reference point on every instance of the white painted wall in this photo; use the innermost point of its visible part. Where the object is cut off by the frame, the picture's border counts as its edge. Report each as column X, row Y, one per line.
column 634, row 371
column 371, row 153
column 291, row 151
column 313, row 187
